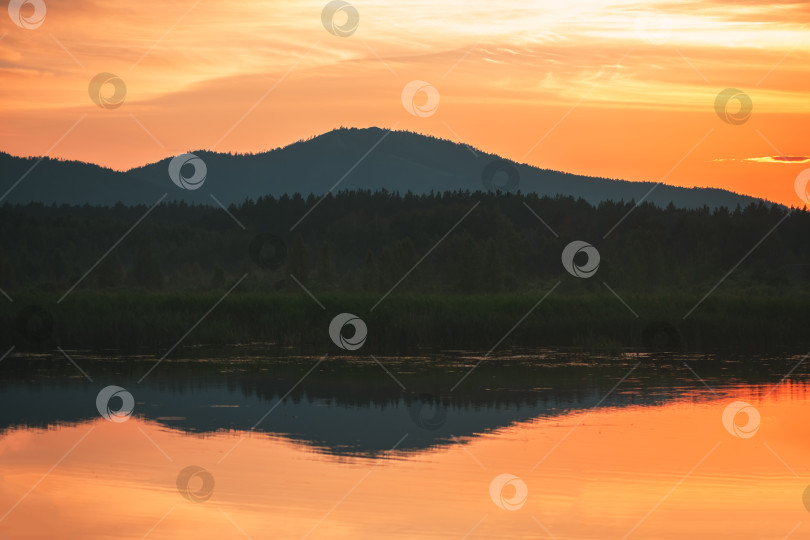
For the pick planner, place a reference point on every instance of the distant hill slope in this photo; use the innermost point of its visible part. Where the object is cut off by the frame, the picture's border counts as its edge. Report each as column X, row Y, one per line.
column 402, row 161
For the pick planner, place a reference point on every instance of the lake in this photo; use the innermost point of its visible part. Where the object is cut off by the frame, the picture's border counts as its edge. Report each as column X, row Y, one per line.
column 540, row 444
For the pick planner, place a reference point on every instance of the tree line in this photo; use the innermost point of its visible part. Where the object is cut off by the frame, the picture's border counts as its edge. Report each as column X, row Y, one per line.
column 467, row 242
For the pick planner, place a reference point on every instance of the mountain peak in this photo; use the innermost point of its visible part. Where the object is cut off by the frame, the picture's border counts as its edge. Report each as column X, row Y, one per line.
column 346, row 158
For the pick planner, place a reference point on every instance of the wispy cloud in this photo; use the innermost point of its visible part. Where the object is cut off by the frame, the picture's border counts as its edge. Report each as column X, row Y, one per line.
column 785, row 160
column 780, row 159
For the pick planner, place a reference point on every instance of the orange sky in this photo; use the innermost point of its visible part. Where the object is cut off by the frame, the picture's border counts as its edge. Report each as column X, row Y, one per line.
column 619, row 89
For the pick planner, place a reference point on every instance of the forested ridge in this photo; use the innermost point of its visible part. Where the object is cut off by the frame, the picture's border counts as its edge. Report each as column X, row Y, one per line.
column 454, row 270
column 364, row 241
column 401, row 161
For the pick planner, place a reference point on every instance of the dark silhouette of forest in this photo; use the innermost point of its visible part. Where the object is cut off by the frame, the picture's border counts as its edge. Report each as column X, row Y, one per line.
column 363, row 241
column 461, row 269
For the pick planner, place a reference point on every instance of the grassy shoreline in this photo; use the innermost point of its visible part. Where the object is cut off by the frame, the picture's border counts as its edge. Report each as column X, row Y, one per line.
column 139, row 320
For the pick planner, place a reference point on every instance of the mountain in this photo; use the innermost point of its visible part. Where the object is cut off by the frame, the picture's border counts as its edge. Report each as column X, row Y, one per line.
column 396, row 161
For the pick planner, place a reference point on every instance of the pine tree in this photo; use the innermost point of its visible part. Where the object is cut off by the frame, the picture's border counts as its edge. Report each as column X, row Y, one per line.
column 297, row 262
column 326, row 266
column 110, row 271
column 218, row 279
column 146, row 271
column 371, row 275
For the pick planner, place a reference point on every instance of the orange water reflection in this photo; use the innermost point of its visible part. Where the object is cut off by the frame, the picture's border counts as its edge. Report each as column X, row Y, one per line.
column 662, row 472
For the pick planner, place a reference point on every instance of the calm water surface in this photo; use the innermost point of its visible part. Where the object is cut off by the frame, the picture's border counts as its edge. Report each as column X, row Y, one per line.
column 627, row 447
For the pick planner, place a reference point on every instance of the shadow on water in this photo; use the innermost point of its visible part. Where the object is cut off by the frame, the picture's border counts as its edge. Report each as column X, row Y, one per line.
column 354, row 406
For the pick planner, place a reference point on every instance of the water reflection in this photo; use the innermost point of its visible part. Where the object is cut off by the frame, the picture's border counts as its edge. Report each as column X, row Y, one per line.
column 354, row 406
column 653, row 460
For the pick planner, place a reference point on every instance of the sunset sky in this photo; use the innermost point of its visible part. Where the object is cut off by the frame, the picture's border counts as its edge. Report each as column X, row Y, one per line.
column 620, row 89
